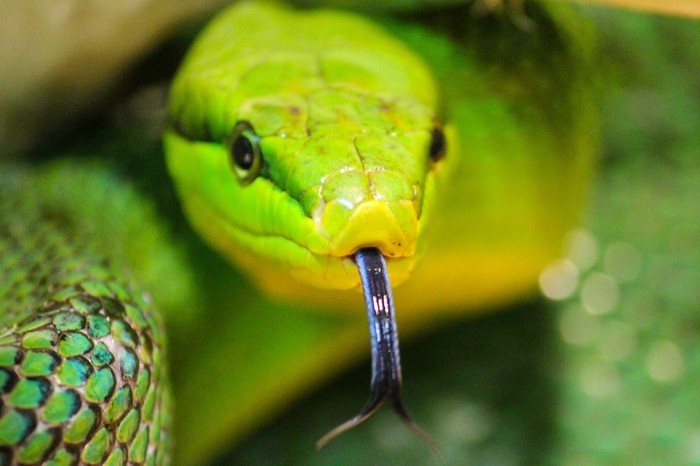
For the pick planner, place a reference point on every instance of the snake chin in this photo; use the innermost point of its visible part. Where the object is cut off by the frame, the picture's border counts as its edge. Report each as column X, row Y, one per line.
column 334, row 285
column 330, row 272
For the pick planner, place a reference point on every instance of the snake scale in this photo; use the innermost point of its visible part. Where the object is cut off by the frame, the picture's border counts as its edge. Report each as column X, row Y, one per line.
column 82, row 362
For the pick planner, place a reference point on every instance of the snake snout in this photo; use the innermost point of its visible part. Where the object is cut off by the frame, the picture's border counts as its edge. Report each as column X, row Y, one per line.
column 390, row 227
column 362, row 208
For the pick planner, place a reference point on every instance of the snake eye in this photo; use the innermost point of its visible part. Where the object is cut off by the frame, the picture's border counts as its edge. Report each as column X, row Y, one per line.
column 244, row 150
column 438, row 144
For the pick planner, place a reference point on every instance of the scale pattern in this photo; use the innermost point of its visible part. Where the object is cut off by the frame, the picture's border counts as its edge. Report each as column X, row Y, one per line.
column 82, row 362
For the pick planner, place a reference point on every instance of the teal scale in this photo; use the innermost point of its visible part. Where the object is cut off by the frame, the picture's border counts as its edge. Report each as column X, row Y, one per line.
column 81, row 364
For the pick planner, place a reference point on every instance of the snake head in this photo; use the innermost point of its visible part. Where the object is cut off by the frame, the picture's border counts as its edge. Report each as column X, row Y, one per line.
column 293, row 155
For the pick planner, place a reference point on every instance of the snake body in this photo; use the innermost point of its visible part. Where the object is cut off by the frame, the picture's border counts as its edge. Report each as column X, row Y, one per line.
column 358, row 136
column 82, row 364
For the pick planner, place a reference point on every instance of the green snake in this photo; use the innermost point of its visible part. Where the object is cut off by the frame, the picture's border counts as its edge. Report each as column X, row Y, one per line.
column 295, row 140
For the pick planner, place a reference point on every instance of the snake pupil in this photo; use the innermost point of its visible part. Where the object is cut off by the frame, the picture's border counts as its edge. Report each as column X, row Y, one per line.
column 438, row 144
column 243, row 152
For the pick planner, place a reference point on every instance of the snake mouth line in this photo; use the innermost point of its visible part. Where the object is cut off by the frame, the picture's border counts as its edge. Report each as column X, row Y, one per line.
column 316, row 266
column 320, row 269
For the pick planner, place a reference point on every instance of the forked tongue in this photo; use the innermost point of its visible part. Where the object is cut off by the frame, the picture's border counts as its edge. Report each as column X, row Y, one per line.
column 384, row 340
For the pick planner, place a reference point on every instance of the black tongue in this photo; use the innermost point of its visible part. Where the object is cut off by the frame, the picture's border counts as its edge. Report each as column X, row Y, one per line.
column 384, row 340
